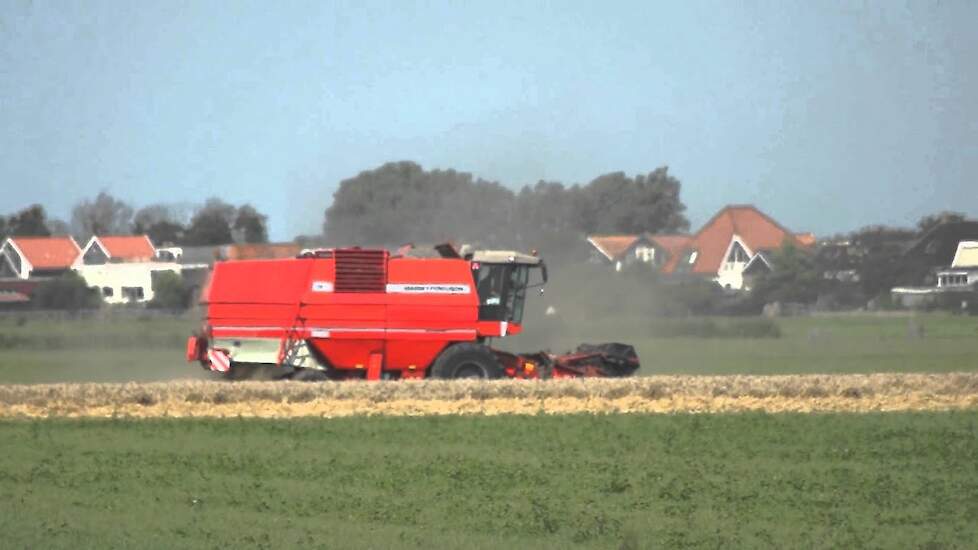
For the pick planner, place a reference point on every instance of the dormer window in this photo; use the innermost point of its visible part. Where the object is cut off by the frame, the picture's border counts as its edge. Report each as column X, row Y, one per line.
column 645, row 254
column 737, row 254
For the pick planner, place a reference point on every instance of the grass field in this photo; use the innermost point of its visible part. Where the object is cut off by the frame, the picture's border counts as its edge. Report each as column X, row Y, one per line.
column 147, row 349
column 898, row 480
column 820, row 344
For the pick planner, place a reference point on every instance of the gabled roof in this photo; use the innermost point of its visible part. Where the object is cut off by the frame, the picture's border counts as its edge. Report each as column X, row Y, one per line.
column 128, row 248
column 123, row 248
column 758, row 262
column 938, row 246
column 966, row 255
column 613, row 247
column 672, row 244
column 47, row 252
column 755, row 229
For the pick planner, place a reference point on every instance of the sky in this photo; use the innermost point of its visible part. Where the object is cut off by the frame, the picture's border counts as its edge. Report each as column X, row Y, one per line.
column 829, row 116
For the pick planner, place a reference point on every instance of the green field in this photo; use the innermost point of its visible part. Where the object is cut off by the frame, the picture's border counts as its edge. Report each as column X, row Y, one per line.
column 818, row 344
column 151, row 348
column 629, row 481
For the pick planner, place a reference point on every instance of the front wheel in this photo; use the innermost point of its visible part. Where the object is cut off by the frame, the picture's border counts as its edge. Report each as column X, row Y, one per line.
column 467, row 360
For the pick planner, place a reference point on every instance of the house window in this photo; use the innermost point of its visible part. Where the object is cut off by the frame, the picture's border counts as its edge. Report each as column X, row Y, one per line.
column 132, row 293
column 737, row 254
column 107, row 291
column 645, row 254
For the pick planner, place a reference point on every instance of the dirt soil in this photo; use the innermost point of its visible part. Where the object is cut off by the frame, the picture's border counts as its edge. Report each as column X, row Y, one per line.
column 655, row 394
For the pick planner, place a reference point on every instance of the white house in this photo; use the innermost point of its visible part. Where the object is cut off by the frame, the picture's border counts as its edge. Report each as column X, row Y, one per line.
column 727, row 248
column 27, row 257
column 122, row 267
column 964, row 268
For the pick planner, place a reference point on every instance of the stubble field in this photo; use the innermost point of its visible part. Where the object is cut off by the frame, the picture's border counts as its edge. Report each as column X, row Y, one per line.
column 654, row 394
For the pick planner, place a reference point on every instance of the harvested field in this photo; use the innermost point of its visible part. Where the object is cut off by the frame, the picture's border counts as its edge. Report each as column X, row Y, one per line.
column 655, row 394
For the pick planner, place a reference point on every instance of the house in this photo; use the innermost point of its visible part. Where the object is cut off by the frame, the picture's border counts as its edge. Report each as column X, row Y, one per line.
column 960, row 276
column 963, row 273
column 123, row 267
column 646, row 248
column 31, row 257
column 738, row 237
column 104, row 249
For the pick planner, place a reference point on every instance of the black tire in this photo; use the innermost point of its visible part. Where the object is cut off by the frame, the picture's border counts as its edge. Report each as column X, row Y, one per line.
column 467, row 360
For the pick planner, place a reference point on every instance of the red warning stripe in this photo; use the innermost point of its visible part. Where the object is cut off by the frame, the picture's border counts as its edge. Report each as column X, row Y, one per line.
column 220, row 362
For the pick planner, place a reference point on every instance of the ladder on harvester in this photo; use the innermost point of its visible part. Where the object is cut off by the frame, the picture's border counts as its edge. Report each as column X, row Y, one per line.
column 294, row 352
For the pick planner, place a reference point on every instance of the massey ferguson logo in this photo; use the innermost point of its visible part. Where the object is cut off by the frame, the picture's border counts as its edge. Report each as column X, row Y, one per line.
column 427, row 289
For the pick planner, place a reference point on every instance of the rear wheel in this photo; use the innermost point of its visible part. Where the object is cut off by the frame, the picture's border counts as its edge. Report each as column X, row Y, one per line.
column 467, row 360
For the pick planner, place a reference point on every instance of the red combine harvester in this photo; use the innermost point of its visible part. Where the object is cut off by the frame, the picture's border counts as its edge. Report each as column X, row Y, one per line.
column 358, row 313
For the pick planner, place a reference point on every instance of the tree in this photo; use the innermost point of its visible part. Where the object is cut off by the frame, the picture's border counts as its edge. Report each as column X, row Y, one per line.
column 160, row 222
column 29, row 222
column 58, row 227
column 106, row 215
column 211, row 225
column 615, row 203
column 68, row 291
column 930, row 222
column 250, row 225
column 881, row 260
column 794, row 278
column 169, row 292
column 545, row 220
column 400, row 202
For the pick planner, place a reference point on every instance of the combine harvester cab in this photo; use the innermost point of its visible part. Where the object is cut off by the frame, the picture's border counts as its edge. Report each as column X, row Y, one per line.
column 360, row 313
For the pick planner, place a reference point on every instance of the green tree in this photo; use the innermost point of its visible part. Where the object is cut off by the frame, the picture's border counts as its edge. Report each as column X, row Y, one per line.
column 29, row 222
column 250, row 224
column 881, row 260
column 211, row 225
column 160, row 222
column 401, row 202
column 68, row 291
column 169, row 292
column 616, row 203
column 930, row 222
column 794, row 278
column 106, row 215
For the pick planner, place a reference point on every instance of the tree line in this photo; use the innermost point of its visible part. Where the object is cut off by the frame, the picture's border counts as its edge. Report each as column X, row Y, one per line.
column 400, row 202
column 215, row 222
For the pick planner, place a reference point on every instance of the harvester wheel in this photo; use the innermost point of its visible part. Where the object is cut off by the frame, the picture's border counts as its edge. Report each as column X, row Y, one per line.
column 467, row 360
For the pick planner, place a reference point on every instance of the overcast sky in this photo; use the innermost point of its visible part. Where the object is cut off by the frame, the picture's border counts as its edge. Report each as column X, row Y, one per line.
column 829, row 116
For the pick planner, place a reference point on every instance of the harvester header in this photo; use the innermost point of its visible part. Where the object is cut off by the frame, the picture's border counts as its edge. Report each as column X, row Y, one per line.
column 363, row 313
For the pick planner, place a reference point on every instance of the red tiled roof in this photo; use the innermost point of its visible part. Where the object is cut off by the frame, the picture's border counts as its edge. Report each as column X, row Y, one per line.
column 48, row 252
column 613, row 246
column 754, row 228
column 131, row 248
column 672, row 244
column 806, row 239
